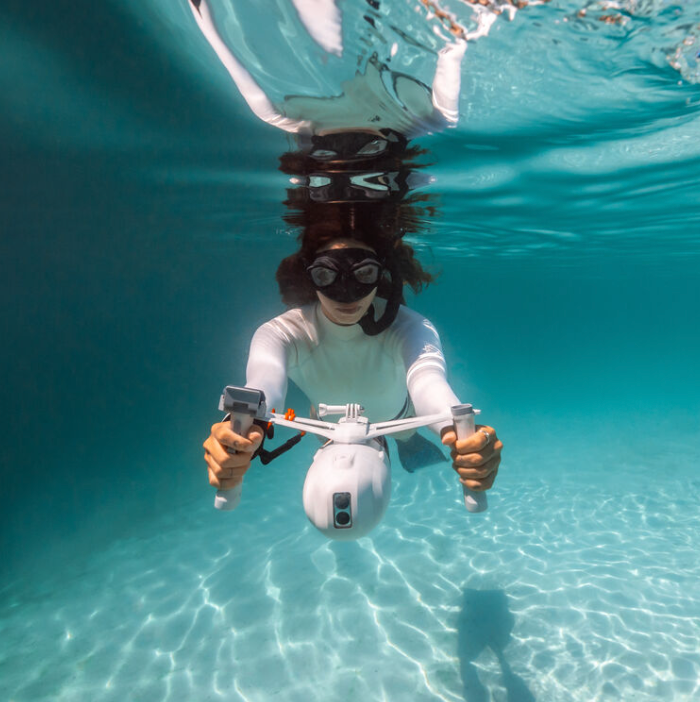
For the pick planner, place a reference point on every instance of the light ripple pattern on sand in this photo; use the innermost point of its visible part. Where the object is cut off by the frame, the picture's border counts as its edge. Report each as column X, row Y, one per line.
column 562, row 591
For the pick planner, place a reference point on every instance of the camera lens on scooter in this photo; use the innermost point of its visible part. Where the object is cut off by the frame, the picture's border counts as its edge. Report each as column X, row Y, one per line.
column 342, row 501
column 342, row 510
column 342, row 518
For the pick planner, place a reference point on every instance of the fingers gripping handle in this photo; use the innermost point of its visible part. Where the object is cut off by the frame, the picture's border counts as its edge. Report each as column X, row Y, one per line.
column 244, row 405
column 227, row 500
column 463, row 417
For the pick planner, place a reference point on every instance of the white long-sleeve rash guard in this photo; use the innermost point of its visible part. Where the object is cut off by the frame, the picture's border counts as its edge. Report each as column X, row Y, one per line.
column 338, row 364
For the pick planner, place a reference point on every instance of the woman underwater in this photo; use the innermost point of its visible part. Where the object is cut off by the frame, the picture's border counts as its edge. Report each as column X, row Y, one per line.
column 347, row 335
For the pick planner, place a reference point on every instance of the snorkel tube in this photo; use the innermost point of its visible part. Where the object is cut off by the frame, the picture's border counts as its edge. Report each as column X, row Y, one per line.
column 372, row 327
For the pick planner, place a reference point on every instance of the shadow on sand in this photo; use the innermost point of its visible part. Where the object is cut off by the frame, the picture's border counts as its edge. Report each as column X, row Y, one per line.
column 486, row 622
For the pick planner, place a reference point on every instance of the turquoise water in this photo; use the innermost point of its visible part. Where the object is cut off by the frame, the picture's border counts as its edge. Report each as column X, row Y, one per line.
column 141, row 228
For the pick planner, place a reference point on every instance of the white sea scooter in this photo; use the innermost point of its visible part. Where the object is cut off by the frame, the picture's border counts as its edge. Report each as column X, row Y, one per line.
column 348, row 485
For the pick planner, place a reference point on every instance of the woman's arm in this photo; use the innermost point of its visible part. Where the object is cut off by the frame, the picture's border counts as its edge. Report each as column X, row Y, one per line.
column 267, row 364
column 476, row 458
column 426, row 374
column 252, row 93
column 227, row 454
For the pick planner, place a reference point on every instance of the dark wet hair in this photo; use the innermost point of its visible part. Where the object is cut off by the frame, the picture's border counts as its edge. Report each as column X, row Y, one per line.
column 377, row 217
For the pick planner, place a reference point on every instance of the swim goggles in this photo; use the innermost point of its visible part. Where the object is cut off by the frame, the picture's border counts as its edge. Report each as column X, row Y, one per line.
column 345, row 275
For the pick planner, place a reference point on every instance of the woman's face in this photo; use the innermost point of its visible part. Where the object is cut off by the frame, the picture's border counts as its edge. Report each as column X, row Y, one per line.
column 345, row 313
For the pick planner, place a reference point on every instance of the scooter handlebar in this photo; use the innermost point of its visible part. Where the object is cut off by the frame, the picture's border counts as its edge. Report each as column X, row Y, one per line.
column 244, row 405
column 463, row 417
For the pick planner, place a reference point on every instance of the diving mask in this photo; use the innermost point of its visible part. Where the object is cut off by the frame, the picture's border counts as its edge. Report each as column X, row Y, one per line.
column 345, row 275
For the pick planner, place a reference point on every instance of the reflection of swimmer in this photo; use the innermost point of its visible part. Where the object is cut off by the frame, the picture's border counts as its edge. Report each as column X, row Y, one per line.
column 375, row 99
column 347, row 336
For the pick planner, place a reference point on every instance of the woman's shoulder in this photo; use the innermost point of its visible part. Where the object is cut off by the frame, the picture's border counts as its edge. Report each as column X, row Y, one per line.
column 410, row 321
column 295, row 324
column 414, row 333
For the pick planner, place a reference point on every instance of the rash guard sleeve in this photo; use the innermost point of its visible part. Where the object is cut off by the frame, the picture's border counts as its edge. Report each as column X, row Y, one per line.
column 426, row 374
column 267, row 364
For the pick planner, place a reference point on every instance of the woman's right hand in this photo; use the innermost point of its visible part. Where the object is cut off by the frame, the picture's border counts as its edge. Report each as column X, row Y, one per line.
column 228, row 455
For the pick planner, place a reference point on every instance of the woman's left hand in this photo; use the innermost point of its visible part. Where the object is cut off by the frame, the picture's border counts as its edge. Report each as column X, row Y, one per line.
column 475, row 458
